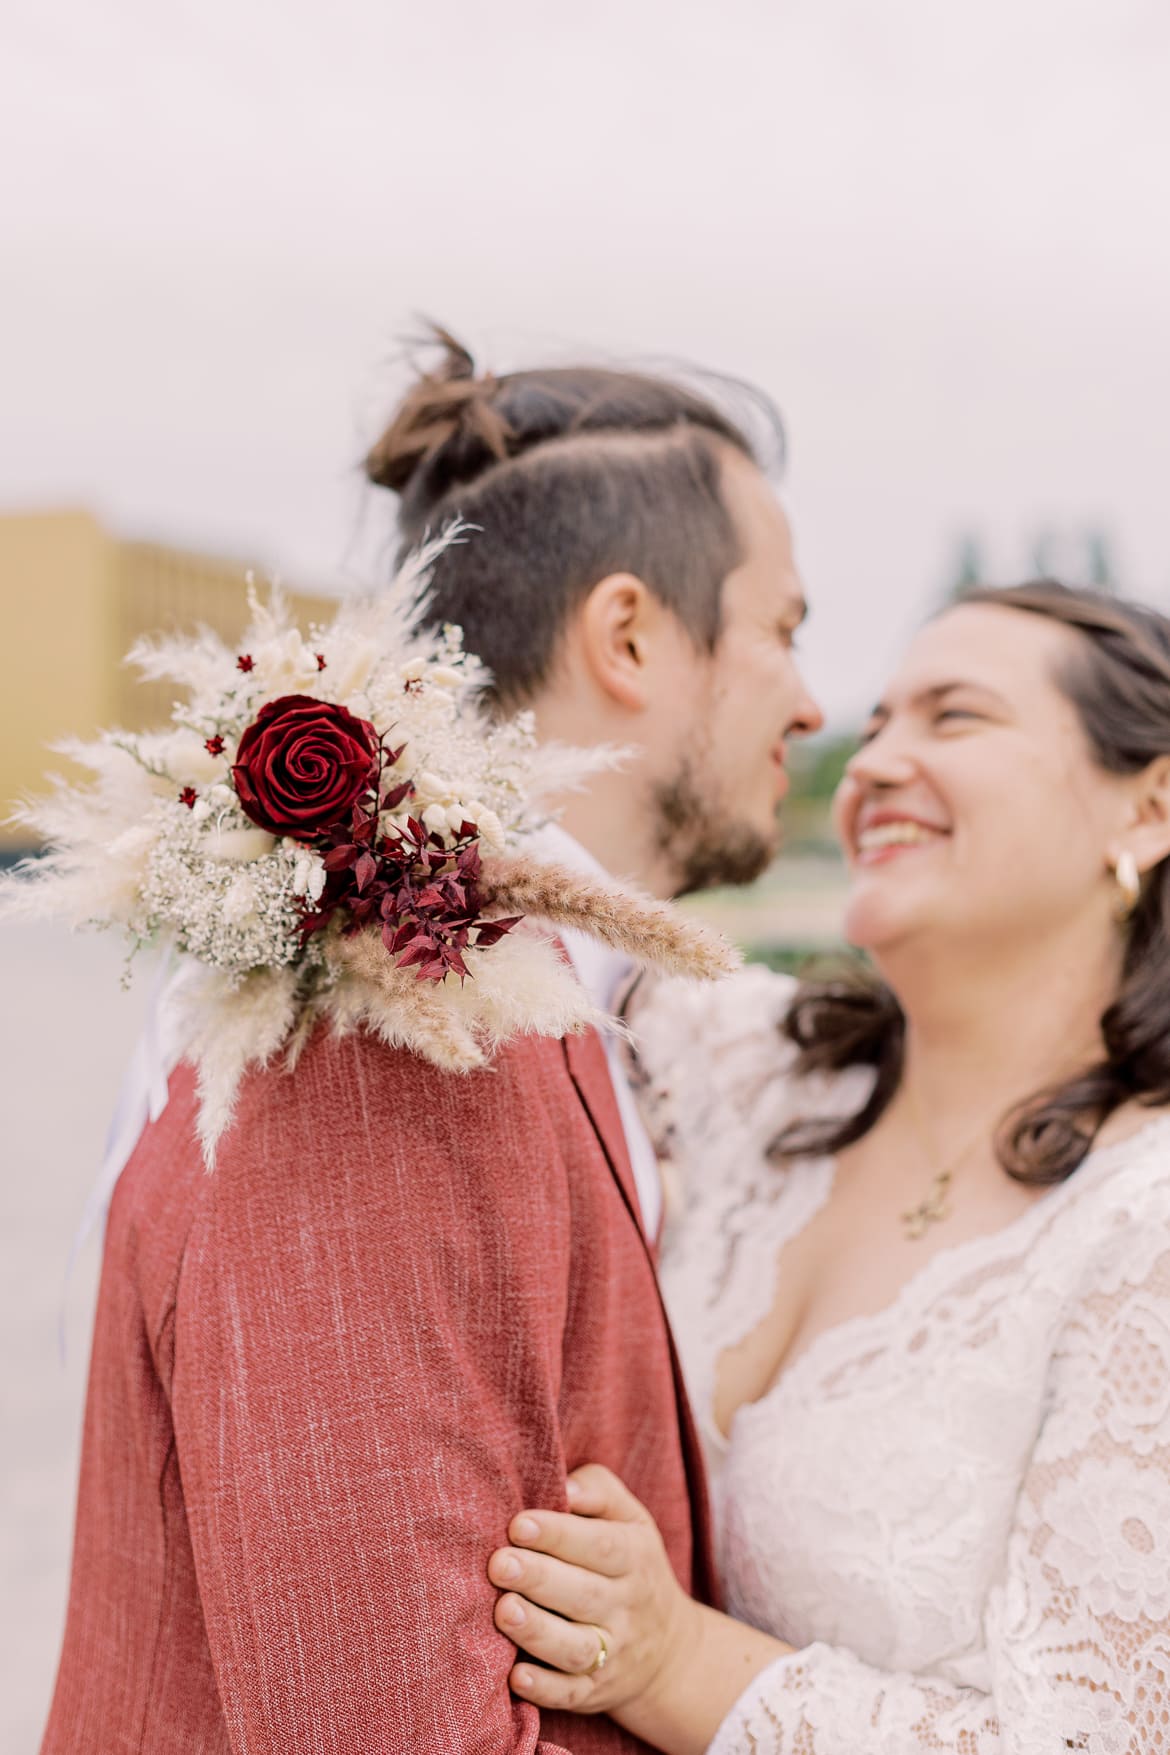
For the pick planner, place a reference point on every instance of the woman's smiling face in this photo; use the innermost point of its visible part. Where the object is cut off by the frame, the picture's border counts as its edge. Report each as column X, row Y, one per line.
column 975, row 809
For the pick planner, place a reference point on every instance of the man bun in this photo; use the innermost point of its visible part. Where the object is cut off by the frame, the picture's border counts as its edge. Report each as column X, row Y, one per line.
column 455, row 424
column 445, row 431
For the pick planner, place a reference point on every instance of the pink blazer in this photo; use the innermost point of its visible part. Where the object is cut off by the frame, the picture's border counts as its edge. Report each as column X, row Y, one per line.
column 325, row 1377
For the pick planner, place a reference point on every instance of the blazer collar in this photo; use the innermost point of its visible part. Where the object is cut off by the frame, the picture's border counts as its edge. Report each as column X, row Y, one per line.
column 589, row 1071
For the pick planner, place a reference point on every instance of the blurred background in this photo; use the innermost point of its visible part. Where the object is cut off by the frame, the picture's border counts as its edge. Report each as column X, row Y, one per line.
column 936, row 234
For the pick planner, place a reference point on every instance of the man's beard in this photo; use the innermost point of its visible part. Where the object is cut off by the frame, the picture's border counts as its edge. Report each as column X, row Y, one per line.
column 705, row 846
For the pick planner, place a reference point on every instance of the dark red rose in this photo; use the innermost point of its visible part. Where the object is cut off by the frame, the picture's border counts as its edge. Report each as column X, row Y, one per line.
column 302, row 764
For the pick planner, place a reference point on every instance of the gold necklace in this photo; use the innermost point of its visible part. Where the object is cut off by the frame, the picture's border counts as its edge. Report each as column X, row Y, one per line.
column 934, row 1207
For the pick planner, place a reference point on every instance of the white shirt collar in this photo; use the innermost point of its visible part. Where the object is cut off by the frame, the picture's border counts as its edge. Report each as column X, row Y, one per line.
column 601, row 969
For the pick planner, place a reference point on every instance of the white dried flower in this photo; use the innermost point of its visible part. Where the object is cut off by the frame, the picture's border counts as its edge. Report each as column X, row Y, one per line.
column 188, row 761
column 284, row 665
column 240, row 901
column 239, row 846
column 434, row 818
column 428, row 786
column 491, row 830
column 309, row 875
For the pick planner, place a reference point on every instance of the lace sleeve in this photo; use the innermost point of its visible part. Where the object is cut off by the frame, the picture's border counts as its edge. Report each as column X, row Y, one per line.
column 1078, row 1629
column 704, row 1052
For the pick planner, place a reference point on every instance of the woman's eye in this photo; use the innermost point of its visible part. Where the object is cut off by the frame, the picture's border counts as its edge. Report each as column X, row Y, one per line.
column 955, row 713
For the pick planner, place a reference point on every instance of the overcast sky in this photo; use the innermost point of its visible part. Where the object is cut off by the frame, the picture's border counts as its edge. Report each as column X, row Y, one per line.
column 937, row 232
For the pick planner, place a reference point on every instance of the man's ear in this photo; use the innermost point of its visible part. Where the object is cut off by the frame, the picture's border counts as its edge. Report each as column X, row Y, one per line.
column 1148, row 837
column 615, row 630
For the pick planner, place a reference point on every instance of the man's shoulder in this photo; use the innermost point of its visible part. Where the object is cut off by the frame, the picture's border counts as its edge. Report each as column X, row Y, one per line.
column 360, row 1118
column 391, row 1084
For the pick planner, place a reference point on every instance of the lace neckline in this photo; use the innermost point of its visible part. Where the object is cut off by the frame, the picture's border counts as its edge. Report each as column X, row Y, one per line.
column 969, row 1251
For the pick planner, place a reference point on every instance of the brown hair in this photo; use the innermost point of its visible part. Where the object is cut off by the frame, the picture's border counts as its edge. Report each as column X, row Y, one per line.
column 1119, row 683
column 567, row 474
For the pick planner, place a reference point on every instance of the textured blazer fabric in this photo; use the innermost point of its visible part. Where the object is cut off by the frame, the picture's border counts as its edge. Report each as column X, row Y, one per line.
column 324, row 1378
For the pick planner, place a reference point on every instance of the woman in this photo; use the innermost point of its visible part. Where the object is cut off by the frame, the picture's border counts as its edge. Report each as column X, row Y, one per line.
column 920, row 1269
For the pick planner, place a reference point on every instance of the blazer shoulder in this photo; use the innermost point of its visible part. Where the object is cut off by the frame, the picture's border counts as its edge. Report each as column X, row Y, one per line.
column 360, row 1122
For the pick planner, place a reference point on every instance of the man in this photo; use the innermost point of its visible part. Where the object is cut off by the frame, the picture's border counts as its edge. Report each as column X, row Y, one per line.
column 407, row 1302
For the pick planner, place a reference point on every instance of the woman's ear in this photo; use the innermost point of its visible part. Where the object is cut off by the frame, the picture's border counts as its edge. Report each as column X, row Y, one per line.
column 1148, row 837
column 615, row 631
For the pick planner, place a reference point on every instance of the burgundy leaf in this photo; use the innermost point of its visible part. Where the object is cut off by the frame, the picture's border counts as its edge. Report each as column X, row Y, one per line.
column 340, row 858
column 364, row 870
column 492, row 931
column 421, row 951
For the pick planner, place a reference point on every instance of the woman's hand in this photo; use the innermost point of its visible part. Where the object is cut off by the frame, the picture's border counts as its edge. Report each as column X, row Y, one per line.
column 575, row 1579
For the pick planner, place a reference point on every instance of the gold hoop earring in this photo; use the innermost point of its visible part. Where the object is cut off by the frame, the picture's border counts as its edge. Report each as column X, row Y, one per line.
column 1129, row 886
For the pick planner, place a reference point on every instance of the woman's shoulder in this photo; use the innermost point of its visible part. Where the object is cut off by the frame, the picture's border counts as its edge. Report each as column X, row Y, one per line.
column 1112, row 1227
column 673, row 1014
column 702, row 1045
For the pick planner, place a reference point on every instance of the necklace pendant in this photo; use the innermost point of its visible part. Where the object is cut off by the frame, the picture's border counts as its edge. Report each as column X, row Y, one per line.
column 916, row 1221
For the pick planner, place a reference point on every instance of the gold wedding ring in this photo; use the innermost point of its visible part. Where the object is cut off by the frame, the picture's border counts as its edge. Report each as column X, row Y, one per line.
column 602, row 1657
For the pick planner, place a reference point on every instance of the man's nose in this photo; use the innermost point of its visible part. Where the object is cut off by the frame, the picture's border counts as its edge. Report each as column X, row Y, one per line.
column 807, row 718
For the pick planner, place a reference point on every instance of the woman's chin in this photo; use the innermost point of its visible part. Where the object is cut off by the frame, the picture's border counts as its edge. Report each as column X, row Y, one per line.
column 877, row 924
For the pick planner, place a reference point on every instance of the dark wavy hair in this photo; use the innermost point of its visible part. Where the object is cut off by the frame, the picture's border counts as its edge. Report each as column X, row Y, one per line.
column 568, row 474
column 1119, row 683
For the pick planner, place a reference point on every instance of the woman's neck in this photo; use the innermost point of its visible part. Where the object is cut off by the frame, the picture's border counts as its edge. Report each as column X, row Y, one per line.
column 983, row 1032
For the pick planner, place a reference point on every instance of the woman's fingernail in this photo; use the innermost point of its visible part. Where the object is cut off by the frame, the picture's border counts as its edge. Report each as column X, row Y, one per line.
column 507, row 1566
column 527, row 1529
column 513, row 1614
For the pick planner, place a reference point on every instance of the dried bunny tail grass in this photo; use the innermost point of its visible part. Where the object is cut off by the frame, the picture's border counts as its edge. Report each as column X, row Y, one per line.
column 650, row 931
column 393, row 615
column 399, row 1008
column 193, row 663
column 97, row 839
column 231, row 1026
column 556, row 768
column 522, row 986
column 271, row 614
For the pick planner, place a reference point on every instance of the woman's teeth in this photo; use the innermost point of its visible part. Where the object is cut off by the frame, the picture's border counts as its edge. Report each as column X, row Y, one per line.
column 903, row 834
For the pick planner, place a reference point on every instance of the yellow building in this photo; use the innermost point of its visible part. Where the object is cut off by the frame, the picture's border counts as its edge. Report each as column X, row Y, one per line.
column 74, row 599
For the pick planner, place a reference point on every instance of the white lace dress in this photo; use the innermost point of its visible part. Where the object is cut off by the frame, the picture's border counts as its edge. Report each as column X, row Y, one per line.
column 958, row 1509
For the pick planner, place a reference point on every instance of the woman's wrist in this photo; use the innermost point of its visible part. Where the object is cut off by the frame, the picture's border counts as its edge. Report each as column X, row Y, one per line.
column 710, row 1661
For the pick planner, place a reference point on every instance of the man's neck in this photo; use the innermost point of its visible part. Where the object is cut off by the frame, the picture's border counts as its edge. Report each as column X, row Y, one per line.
column 607, row 822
